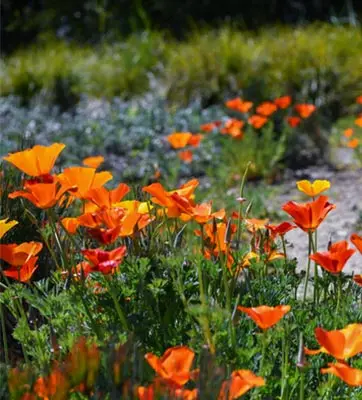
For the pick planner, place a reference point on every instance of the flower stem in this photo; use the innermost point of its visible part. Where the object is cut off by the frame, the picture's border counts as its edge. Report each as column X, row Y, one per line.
column 308, row 266
column 3, row 333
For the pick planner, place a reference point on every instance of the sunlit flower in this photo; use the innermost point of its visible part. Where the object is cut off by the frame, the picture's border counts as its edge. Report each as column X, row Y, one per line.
column 19, row 254
column 42, row 195
column 257, row 121
column 313, row 189
column 358, row 121
column 241, row 381
column 357, row 241
column 83, row 179
column 283, row 102
column 310, row 215
column 264, row 316
column 6, row 225
column 104, row 198
column 93, row 162
column 305, row 110
column 335, row 258
column 174, row 366
column 37, row 161
column 103, row 261
column 255, row 224
column 267, row 108
column 293, row 122
column 341, row 344
column 351, row 376
column 178, row 140
column 24, row 272
column 240, row 105
column 233, row 127
column 280, row 229
column 185, row 156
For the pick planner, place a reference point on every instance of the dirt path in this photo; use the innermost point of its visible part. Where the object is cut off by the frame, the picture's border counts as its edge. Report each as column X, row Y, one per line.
column 346, row 194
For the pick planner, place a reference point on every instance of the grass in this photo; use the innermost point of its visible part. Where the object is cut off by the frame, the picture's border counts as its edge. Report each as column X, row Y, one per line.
column 314, row 62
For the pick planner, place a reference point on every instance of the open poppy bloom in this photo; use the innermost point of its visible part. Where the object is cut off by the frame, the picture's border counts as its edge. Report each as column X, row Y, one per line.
column 267, row 108
column 341, row 344
column 241, row 381
column 103, row 261
column 358, row 121
column 265, row 316
column 280, row 229
column 83, row 179
column 179, row 140
column 313, row 189
column 174, row 365
column 185, row 156
column 351, row 376
column 310, row 215
column 233, row 127
column 358, row 279
column 335, row 258
column 305, row 110
column 19, row 254
column 104, row 198
column 165, row 199
column 210, row 126
column 37, row 161
column 22, row 273
column 283, row 102
column 42, row 195
column 240, row 105
column 6, row 225
column 257, row 121
column 93, row 162
column 255, row 224
column 293, row 121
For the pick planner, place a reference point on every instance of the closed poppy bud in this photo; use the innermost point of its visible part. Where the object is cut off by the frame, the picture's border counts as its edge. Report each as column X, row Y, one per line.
column 228, row 232
column 301, row 361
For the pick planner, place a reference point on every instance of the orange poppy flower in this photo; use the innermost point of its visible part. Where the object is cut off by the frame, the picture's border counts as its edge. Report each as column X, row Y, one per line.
column 146, row 393
column 341, row 344
column 358, row 121
column 283, row 102
column 19, row 254
column 241, row 381
column 266, row 109
column 293, row 122
column 174, row 365
column 83, row 179
column 257, row 121
column 233, row 127
column 70, row 224
column 104, row 198
column 24, row 272
column 93, row 162
column 357, row 241
column 240, row 105
column 42, row 195
column 210, row 126
column 358, row 279
column 201, row 213
column 6, row 225
column 305, row 110
column 351, row 376
column 310, row 215
column 195, row 140
column 55, row 384
column 264, row 316
column 255, row 224
column 103, row 235
column 313, row 189
column 348, row 132
column 359, row 99
column 185, row 156
column 335, row 258
column 353, row 143
column 164, row 199
column 36, row 161
column 178, row 140
column 280, row 229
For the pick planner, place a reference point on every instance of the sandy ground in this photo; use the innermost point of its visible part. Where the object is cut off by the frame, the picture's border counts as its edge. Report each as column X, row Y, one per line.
column 346, row 194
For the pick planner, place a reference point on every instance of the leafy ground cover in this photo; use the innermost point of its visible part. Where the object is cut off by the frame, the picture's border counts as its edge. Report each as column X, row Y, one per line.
column 149, row 293
column 315, row 63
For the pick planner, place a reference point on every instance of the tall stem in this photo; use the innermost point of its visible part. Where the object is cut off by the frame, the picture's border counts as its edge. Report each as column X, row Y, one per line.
column 3, row 333
column 308, row 266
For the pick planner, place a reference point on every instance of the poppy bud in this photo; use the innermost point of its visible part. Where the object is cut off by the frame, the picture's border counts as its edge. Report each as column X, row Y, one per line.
column 301, row 361
column 228, row 232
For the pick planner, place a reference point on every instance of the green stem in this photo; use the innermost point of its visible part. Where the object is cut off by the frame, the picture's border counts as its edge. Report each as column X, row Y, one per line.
column 3, row 332
column 284, row 250
column 242, row 186
column 301, row 386
column 308, row 266
column 316, row 278
column 120, row 312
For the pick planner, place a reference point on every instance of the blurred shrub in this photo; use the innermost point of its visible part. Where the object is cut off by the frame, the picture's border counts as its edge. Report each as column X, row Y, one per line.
column 318, row 63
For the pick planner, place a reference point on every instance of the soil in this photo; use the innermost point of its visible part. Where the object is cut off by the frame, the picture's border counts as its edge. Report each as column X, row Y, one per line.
column 346, row 193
